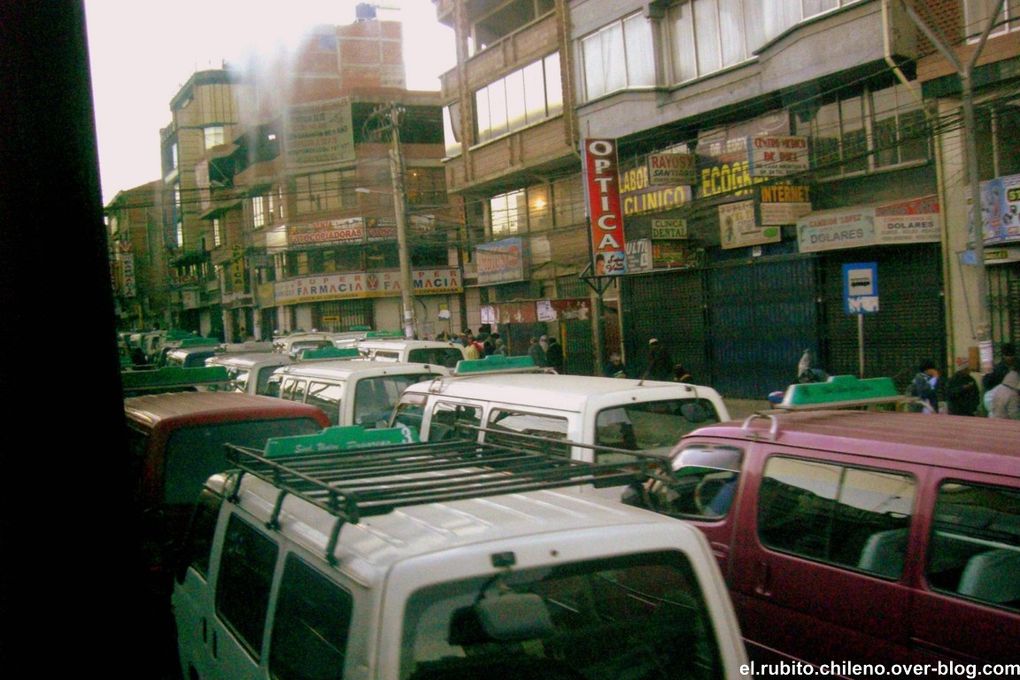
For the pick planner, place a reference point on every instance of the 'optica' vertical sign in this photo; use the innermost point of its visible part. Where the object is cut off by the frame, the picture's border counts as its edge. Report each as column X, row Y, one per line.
column 603, row 192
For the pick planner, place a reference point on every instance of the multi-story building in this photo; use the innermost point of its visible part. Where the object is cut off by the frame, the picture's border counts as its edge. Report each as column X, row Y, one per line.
column 770, row 152
column 138, row 257
column 996, row 103
column 206, row 115
column 512, row 156
column 296, row 210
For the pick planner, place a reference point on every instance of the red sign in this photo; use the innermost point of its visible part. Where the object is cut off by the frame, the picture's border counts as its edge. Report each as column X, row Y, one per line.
column 602, row 183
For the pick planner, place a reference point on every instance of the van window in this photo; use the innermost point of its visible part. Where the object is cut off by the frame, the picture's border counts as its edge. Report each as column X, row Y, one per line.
column 410, row 412
column 706, row 482
column 444, row 356
column 639, row 616
column 195, row 453
column 310, row 626
column 385, row 355
column 238, row 378
column 198, row 542
column 448, row 419
column 327, row 397
column 539, row 425
column 852, row 517
column 273, row 383
column 374, row 398
column 654, row 426
column 974, row 550
column 242, row 587
column 293, row 389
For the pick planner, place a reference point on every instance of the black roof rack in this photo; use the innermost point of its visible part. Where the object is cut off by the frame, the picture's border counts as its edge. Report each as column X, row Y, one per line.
column 351, row 484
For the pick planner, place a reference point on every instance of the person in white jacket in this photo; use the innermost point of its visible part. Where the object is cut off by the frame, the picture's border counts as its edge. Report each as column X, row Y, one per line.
column 1005, row 397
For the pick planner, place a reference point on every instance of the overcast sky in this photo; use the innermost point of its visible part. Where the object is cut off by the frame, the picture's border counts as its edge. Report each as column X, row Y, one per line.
column 141, row 53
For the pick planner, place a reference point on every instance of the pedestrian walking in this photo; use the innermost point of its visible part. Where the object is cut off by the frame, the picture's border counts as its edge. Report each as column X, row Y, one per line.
column 660, row 366
column 1006, row 364
column 923, row 386
column 554, row 355
column 1005, row 401
column 615, row 367
column 536, row 352
column 962, row 393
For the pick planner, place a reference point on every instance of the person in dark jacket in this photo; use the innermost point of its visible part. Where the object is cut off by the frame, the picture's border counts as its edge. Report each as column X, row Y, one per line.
column 1008, row 363
column 660, row 365
column 923, row 386
column 962, row 394
column 536, row 352
column 554, row 355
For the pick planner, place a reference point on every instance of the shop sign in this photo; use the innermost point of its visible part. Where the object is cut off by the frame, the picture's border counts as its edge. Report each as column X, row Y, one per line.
column 777, row 156
column 727, row 178
column 501, row 261
column 675, row 254
column 375, row 232
column 670, row 169
column 782, row 203
column 639, row 255
column 365, row 285
column 318, row 134
column 1000, row 209
column 127, row 272
column 638, row 196
column 544, row 310
column 913, row 221
column 836, row 229
column 349, row 230
column 602, row 186
column 663, row 230
column 738, row 228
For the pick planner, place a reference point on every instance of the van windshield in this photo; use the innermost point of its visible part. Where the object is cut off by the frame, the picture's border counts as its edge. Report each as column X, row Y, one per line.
column 639, row 616
column 652, row 426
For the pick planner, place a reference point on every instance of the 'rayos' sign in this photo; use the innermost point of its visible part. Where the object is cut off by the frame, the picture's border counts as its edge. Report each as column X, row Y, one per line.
column 603, row 192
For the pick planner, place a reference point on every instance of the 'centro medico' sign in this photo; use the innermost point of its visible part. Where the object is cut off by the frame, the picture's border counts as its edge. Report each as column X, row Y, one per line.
column 603, row 192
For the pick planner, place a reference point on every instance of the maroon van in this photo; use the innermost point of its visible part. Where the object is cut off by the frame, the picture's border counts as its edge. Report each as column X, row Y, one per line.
column 868, row 537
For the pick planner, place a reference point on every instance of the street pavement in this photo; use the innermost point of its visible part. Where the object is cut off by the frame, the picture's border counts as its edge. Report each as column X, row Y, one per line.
column 741, row 408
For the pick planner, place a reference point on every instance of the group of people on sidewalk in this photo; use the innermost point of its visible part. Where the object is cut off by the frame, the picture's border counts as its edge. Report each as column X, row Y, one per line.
column 660, row 366
column 1000, row 387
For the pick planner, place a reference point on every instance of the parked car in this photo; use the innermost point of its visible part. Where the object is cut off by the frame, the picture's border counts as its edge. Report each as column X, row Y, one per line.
column 350, row 392
column 418, row 351
column 441, row 563
column 250, row 372
column 877, row 537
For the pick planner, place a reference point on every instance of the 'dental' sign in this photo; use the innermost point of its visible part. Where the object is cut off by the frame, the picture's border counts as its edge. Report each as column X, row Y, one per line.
column 602, row 185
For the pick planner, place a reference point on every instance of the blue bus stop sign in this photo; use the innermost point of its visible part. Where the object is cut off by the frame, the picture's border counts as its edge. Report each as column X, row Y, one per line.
column 860, row 287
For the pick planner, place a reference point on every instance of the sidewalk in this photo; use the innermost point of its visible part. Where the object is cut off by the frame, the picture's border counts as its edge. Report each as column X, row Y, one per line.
column 741, row 408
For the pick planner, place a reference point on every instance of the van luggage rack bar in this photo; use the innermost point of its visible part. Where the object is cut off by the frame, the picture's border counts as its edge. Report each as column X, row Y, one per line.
column 350, row 485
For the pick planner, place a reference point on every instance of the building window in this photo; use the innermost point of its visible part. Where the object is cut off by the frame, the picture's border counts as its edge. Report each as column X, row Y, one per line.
column 568, row 201
column 508, row 214
column 451, row 129
column 618, row 56
column 539, row 208
column 866, row 131
column 214, row 136
column 521, row 98
column 425, row 186
column 977, row 12
column 708, row 35
column 217, row 232
column 504, row 20
column 260, row 211
column 324, row 191
column 997, row 152
column 178, row 218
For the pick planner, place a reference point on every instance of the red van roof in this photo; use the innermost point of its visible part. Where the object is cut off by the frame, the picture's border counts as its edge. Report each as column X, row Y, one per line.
column 986, row 444
column 204, row 407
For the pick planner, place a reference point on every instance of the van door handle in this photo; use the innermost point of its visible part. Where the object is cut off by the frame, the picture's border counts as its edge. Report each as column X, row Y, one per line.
column 763, row 579
column 215, row 646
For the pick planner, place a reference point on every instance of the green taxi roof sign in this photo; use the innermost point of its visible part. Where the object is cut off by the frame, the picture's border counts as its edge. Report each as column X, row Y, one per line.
column 340, row 438
column 169, row 377
column 361, row 328
column 384, row 334
column 840, row 390
column 329, row 353
column 199, row 341
column 494, row 363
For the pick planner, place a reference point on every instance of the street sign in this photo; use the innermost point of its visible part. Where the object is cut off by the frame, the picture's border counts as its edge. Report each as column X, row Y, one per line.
column 860, row 287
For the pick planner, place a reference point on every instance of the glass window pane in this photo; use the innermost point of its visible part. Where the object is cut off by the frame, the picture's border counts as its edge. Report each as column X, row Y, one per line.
column 883, row 103
column 779, row 15
column 795, row 506
column 872, row 519
column 825, row 142
column 731, row 23
column 613, row 57
column 568, row 201
column 813, row 7
column 482, row 114
column 706, row 31
column 681, row 37
column 242, row 587
column 594, row 76
column 515, row 107
column 451, row 129
column 539, row 210
column 855, row 141
column 553, row 85
column 640, row 58
column 497, row 108
column 1007, row 122
column 534, row 92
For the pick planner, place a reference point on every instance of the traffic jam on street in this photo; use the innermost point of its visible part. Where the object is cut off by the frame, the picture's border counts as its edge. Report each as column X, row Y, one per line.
column 670, row 340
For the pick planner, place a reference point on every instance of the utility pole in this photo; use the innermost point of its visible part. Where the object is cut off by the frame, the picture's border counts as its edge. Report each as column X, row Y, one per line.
column 388, row 117
column 966, row 72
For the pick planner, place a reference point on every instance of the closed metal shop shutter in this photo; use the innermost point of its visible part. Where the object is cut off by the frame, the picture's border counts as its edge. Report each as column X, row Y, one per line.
column 909, row 325
column 670, row 307
column 350, row 312
column 1004, row 302
column 761, row 318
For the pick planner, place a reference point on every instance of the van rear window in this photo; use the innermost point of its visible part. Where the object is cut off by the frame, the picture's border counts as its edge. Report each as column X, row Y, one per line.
column 651, row 426
column 195, row 453
column 639, row 616
column 974, row 551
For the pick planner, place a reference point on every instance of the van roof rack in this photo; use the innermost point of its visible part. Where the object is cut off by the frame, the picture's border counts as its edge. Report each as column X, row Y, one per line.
column 351, row 482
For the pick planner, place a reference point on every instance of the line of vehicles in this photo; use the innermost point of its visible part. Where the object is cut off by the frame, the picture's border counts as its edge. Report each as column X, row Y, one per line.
column 385, row 518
